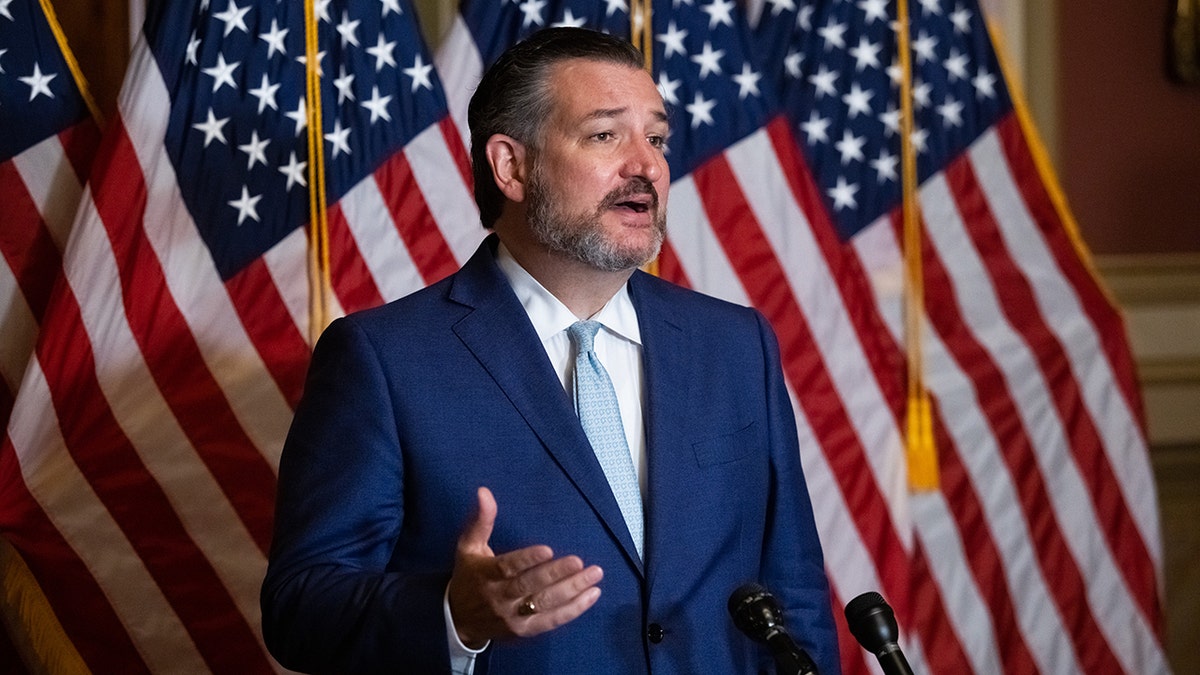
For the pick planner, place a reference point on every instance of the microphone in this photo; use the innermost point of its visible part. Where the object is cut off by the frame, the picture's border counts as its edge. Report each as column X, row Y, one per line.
column 874, row 626
column 757, row 613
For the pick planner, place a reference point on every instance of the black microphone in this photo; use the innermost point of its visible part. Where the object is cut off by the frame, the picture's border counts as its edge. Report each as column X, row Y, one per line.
column 757, row 613
column 874, row 626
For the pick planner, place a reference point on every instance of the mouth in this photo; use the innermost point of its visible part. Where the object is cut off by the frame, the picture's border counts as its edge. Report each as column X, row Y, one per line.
column 640, row 204
column 636, row 197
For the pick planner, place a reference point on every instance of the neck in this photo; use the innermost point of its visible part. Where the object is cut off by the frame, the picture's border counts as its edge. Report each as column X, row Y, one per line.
column 584, row 289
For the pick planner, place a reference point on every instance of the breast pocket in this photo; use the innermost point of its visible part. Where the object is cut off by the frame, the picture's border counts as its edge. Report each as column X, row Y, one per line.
column 728, row 447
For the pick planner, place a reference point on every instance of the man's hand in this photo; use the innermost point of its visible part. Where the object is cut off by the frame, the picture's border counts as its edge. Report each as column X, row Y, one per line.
column 491, row 595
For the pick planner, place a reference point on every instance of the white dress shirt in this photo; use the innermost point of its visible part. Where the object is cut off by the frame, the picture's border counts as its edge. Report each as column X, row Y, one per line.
column 618, row 345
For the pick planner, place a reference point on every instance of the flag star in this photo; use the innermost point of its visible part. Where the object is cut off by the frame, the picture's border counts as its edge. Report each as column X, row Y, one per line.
column 675, row 4
column 668, row 88
column 382, row 51
column 720, row 12
column 951, row 112
column 891, row 120
column 920, row 140
column 824, row 80
column 894, row 74
column 569, row 20
column 192, row 46
column 793, row 62
column 255, row 150
column 390, row 6
column 234, row 18
column 833, row 34
column 347, row 29
column 850, row 147
column 532, row 9
column 747, row 82
column 299, row 116
column 780, row 6
column 920, row 93
column 321, row 10
column 246, row 205
column 212, row 128
column 2, row 53
column 303, row 59
column 923, row 47
column 344, row 85
column 222, row 73
column 265, row 93
column 885, row 166
column 956, row 66
column 701, row 110
column 816, row 129
column 930, row 7
column 865, row 54
column 961, row 18
column 4, row 11
column 38, row 82
column 419, row 72
column 614, row 6
column 875, row 10
column 672, row 40
column 709, row 60
column 340, row 138
column 858, row 101
column 804, row 17
column 843, row 194
column 274, row 39
column 985, row 84
column 377, row 105
column 294, row 171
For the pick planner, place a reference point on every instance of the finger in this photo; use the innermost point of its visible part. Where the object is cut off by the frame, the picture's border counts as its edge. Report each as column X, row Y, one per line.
column 537, row 577
column 478, row 530
column 551, row 618
column 566, row 590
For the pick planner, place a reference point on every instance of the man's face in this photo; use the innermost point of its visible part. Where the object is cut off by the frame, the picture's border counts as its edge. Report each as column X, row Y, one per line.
column 597, row 189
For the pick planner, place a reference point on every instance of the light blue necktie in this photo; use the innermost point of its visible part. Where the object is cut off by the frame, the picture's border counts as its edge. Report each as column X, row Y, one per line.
column 596, row 404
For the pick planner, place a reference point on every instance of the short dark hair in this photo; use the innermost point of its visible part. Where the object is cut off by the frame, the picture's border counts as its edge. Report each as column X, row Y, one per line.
column 513, row 97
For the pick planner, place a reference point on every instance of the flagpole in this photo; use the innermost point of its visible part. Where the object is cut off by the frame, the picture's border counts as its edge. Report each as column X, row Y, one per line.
column 641, row 35
column 920, row 449
column 318, row 225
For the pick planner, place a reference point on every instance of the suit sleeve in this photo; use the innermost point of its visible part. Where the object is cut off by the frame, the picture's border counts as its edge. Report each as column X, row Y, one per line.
column 793, row 564
column 329, row 602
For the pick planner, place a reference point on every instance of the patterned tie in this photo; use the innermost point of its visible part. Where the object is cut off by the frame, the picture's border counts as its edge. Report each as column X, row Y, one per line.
column 596, row 404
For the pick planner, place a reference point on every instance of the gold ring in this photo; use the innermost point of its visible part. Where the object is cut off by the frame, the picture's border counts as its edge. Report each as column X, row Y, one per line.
column 527, row 608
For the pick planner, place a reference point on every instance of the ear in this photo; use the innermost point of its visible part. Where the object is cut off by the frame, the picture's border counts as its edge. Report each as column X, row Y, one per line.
column 508, row 159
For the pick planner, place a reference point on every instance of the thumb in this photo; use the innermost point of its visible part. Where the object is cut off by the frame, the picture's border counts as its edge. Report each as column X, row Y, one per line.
column 474, row 537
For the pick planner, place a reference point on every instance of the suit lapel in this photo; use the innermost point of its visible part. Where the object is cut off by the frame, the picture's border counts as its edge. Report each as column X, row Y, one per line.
column 499, row 334
column 668, row 387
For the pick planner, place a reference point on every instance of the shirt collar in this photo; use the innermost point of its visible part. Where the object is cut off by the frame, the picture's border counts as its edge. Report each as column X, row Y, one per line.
column 550, row 316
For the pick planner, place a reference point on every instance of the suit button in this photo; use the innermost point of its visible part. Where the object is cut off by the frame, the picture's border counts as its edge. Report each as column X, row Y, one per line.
column 655, row 632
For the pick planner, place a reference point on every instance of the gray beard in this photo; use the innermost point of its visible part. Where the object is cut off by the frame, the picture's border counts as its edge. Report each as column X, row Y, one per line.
column 581, row 235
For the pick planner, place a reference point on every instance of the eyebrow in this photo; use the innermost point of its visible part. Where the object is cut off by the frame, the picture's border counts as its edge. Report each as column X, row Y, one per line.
column 607, row 113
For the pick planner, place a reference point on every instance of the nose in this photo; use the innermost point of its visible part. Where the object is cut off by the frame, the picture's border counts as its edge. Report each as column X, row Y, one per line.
column 643, row 159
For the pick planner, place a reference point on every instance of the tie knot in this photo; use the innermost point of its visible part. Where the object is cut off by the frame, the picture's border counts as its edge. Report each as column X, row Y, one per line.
column 582, row 334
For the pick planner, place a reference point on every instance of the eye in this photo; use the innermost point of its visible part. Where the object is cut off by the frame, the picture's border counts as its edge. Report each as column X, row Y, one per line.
column 659, row 142
column 603, row 136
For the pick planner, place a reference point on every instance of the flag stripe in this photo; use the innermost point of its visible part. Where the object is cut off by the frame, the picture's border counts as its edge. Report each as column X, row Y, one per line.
column 821, row 401
column 26, row 244
column 1014, row 291
column 276, row 337
column 137, row 502
column 170, row 351
column 410, row 214
column 62, row 575
column 48, row 172
column 1020, row 450
column 350, row 271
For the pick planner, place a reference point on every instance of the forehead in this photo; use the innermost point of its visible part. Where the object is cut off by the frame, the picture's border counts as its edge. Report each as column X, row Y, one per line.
column 587, row 88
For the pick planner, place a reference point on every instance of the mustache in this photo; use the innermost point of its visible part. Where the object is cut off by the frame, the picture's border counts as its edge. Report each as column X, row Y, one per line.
column 635, row 187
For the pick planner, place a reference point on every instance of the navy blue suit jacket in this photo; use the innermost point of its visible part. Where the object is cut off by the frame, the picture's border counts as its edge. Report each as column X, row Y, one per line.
column 410, row 407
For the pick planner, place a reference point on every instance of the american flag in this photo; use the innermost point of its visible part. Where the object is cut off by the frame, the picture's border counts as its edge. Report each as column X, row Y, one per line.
column 1040, row 549
column 140, row 461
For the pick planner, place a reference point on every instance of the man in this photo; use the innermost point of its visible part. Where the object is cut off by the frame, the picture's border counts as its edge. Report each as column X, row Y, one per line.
column 441, row 501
